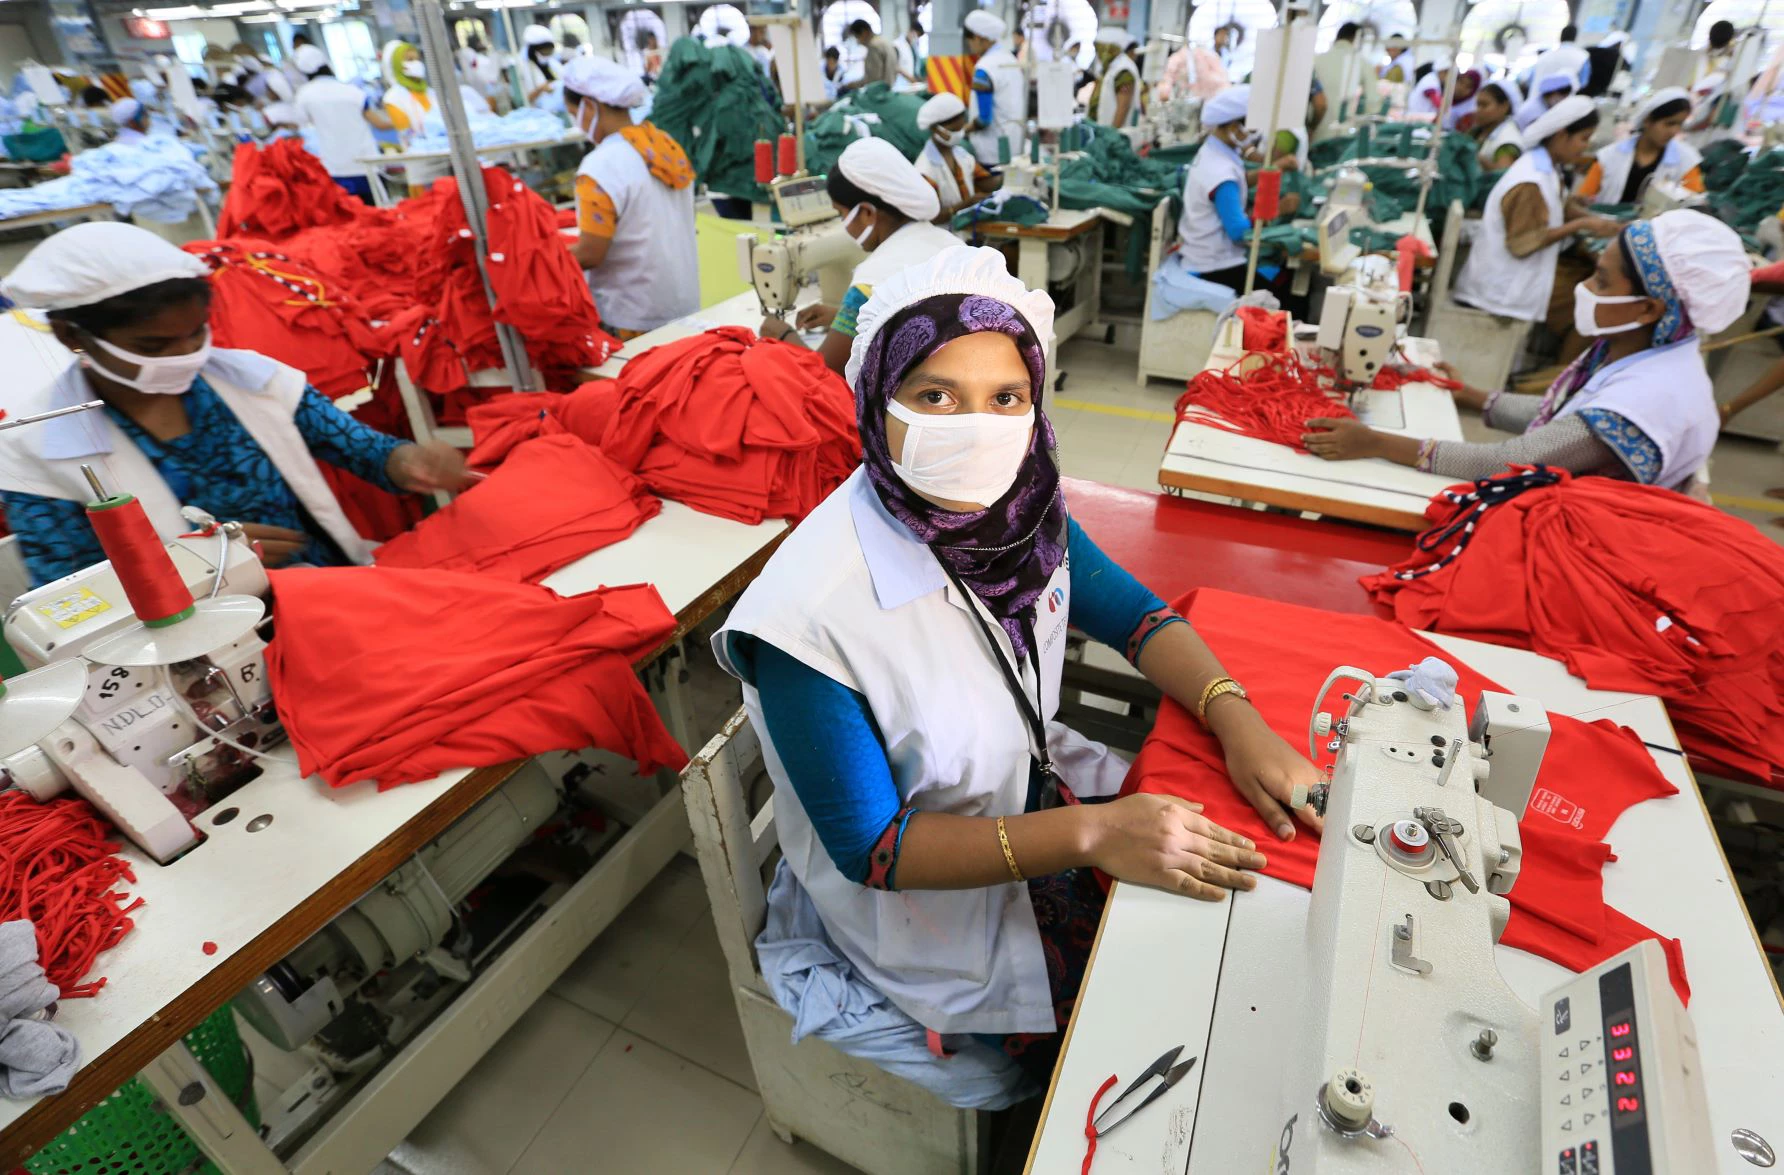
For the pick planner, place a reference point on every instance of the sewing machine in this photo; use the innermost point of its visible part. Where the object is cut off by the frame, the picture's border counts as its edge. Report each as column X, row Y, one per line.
column 1175, row 122
column 1343, row 211
column 1661, row 196
column 1360, row 320
column 814, row 241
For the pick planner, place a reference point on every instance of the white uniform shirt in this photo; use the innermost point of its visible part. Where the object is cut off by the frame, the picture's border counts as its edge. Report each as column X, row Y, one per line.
column 1009, row 105
column 932, row 165
column 651, row 273
column 1506, row 134
column 1616, row 161
column 1201, row 238
column 1492, row 279
column 336, row 112
column 1107, row 100
column 1665, row 392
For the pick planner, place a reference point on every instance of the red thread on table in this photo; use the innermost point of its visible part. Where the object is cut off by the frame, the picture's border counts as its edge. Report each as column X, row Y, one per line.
column 141, row 561
column 1265, row 330
column 209, row 948
column 1090, row 1124
column 1392, row 379
column 57, row 869
column 1272, row 402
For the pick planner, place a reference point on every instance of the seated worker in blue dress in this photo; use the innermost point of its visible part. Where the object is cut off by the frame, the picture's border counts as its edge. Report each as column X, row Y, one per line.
column 1638, row 404
column 231, row 432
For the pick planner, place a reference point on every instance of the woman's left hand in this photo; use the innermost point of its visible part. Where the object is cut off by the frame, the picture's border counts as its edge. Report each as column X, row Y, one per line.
column 1343, row 439
column 423, row 469
column 1263, row 767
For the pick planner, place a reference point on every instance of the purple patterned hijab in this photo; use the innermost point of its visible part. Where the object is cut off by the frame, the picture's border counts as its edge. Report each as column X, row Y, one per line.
column 1008, row 552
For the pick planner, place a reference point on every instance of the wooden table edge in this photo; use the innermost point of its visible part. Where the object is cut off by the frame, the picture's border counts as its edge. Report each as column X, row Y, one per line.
column 1407, row 520
column 1071, row 1026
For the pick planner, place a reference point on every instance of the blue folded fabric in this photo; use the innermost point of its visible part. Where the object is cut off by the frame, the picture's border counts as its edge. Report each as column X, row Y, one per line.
column 156, row 178
column 527, row 124
column 1175, row 288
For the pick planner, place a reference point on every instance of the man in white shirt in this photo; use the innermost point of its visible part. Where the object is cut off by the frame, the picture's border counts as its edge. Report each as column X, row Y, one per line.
column 340, row 119
column 908, row 82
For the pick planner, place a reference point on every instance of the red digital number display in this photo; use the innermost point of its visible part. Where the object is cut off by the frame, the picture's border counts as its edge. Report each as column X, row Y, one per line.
column 1625, row 1078
column 1629, row 1105
column 1622, row 1054
column 1620, row 1029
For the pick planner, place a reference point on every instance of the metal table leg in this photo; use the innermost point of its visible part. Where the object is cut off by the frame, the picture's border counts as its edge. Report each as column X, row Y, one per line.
column 207, row 1115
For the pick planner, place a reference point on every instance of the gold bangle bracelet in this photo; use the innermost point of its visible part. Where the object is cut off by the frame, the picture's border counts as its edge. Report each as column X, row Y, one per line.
column 1003, row 838
column 1208, row 696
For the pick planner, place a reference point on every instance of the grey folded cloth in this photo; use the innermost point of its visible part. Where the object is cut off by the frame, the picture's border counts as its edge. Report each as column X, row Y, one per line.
column 36, row 1058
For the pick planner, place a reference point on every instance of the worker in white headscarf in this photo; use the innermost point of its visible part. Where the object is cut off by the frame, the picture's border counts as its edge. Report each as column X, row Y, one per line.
column 132, row 120
column 231, row 432
column 1495, row 125
column 1653, row 149
column 410, row 101
column 957, row 177
column 634, row 204
column 1000, row 91
column 539, row 70
column 888, row 208
column 1116, row 99
column 1638, row 404
column 1213, row 229
column 1427, row 91
column 340, row 118
column 1545, row 92
column 1400, row 65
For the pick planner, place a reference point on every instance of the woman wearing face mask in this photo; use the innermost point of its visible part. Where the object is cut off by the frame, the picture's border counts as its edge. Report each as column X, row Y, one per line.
column 1214, row 231
column 958, row 178
column 1654, row 150
column 887, row 206
column 231, row 432
column 634, row 204
column 409, row 102
column 1638, row 404
column 901, row 657
column 1511, row 269
column 539, row 69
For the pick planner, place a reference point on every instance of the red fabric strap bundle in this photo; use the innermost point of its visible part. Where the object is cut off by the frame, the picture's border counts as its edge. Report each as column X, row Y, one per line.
column 551, row 502
column 57, row 870
column 1265, row 330
column 397, row 675
column 1283, row 652
column 1634, row 588
column 1392, row 379
column 1272, row 402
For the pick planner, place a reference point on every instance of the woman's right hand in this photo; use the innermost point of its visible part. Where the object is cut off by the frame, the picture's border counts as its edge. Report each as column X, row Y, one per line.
column 1165, row 842
column 276, row 545
column 817, row 316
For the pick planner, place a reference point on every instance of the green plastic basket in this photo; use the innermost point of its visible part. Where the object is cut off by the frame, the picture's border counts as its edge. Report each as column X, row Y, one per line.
column 127, row 1133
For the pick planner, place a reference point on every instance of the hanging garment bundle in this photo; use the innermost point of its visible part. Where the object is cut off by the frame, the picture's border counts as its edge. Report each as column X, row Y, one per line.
column 1283, row 652
column 1633, row 587
column 396, row 675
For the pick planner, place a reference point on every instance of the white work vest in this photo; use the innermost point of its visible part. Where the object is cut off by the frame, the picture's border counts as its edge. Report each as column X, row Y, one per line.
column 1201, row 238
column 1506, row 134
column 913, row 244
column 46, row 458
column 1492, row 279
column 651, row 274
column 1616, row 161
column 335, row 113
column 1665, row 392
column 1106, row 100
column 1009, row 105
column 932, row 165
column 853, row 595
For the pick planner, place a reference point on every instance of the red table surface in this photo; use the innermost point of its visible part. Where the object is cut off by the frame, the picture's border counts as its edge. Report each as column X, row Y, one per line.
column 1175, row 544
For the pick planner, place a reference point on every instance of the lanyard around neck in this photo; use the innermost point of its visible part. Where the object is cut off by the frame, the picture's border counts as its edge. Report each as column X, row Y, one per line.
column 1031, row 711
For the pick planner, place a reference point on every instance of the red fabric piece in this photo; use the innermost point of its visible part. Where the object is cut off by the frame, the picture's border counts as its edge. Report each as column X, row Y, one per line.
column 1272, row 400
column 1528, row 932
column 551, row 502
column 279, row 189
column 1265, row 330
column 1634, row 588
column 1283, row 653
column 1268, row 200
column 397, row 675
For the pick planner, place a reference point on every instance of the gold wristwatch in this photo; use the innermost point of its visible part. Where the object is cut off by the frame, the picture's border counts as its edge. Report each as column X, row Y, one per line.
column 1214, row 689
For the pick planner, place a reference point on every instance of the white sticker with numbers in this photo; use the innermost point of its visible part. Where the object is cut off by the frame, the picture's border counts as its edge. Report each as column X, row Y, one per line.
column 78, row 605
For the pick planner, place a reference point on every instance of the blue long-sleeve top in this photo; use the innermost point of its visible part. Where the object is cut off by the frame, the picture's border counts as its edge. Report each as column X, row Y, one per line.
column 833, row 752
column 1229, row 205
column 216, row 466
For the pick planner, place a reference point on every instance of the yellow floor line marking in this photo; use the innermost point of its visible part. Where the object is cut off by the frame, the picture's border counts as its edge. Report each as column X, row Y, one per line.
column 1769, row 505
column 1113, row 410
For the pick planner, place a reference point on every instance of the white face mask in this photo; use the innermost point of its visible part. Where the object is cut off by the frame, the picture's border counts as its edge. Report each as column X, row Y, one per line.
column 963, row 457
column 159, row 375
column 414, row 69
column 860, row 238
column 587, row 126
column 1585, row 312
column 948, row 138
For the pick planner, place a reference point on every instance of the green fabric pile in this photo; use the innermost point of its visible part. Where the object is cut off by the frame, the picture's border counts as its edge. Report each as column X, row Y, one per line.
column 837, row 127
column 1111, row 175
column 1023, row 210
column 716, row 104
column 1756, row 193
column 1723, row 163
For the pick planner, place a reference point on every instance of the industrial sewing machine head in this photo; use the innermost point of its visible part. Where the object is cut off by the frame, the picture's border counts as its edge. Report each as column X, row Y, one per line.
column 1360, row 321
column 814, row 240
column 1413, row 1041
column 152, row 705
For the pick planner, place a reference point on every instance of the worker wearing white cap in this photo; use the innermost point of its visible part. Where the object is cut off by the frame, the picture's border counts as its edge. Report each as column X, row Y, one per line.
column 1213, row 229
column 1427, row 91
column 1000, row 91
column 410, row 100
column 1115, row 101
column 340, row 119
column 231, row 432
column 887, row 207
column 539, row 69
column 958, row 178
column 1653, row 150
column 1511, row 269
column 1638, row 403
column 1495, row 124
column 634, row 204
column 132, row 120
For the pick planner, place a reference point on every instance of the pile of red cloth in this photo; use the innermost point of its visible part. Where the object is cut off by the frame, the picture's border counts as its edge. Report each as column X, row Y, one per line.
column 1590, row 774
column 279, row 189
column 1270, row 398
column 397, row 675
column 551, row 502
column 1634, row 587
column 728, row 423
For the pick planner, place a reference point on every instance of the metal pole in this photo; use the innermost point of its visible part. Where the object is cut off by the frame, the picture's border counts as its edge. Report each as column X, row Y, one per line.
column 1430, row 168
column 436, row 45
column 1287, row 28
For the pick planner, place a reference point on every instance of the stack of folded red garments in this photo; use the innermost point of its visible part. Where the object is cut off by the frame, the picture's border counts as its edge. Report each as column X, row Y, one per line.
column 554, row 500
column 1634, row 587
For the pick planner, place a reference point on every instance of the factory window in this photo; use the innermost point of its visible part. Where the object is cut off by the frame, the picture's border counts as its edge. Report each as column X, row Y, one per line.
column 723, row 23
column 1509, row 34
column 1245, row 17
column 1744, row 15
column 1056, row 25
column 351, row 50
column 634, row 32
column 1380, row 19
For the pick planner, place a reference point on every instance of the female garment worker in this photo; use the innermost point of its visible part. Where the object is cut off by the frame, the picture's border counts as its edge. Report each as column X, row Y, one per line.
column 1213, row 231
column 888, row 207
column 1654, row 149
column 1511, row 269
column 1493, row 126
column 901, row 657
column 1637, row 405
column 1116, row 100
column 231, row 432
column 634, row 204
column 1000, row 90
column 957, row 177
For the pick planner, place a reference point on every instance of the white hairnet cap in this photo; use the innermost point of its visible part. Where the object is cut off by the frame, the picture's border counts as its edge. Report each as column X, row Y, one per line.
column 125, row 109
column 880, row 169
column 309, row 59
column 1658, row 99
column 537, row 34
column 1227, row 106
column 88, row 263
column 1708, row 267
column 1115, row 35
column 939, row 109
column 1558, row 117
column 1553, row 82
column 959, row 270
column 607, row 82
column 983, row 24
column 1514, row 97
column 1441, row 62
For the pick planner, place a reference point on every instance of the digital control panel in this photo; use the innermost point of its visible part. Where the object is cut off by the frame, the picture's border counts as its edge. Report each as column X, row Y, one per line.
column 803, row 201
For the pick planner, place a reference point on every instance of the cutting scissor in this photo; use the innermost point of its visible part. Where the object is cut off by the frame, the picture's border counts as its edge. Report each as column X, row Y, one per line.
column 1168, row 1072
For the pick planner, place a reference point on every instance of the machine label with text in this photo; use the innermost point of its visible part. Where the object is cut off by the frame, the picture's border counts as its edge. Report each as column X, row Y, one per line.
column 71, row 609
column 1557, row 807
column 122, row 720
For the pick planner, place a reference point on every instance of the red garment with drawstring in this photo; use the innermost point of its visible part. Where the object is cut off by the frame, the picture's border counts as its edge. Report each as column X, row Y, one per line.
column 1283, row 652
column 1273, row 400
column 397, row 675
column 1634, row 588
column 555, row 499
